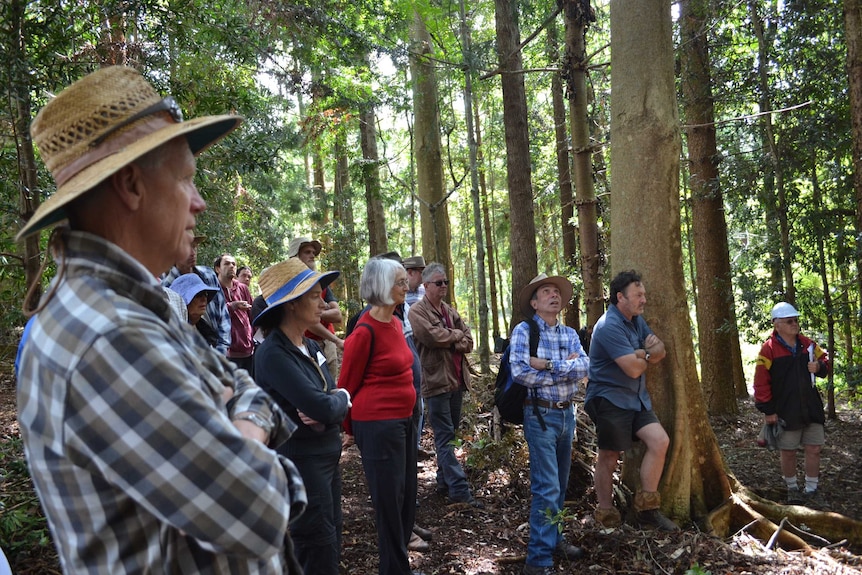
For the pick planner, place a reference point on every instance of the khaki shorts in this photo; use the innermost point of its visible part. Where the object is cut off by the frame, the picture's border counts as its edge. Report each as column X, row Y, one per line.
column 811, row 434
column 333, row 361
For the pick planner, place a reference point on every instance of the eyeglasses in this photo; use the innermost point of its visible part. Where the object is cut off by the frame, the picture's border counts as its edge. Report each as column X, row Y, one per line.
column 403, row 283
column 440, row 283
column 165, row 105
column 791, row 320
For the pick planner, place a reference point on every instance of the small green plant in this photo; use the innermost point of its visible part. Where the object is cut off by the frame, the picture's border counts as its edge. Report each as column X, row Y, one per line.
column 697, row 570
column 23, row 527
column 559, row 518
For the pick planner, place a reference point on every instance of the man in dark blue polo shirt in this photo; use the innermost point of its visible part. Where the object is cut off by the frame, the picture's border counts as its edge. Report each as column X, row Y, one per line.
column 621, row 349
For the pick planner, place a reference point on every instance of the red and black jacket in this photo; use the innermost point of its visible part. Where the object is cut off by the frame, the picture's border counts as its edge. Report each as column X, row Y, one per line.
column 783, row 384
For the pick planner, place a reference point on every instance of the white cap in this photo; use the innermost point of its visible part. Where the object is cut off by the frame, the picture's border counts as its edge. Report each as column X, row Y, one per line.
column 782, row 310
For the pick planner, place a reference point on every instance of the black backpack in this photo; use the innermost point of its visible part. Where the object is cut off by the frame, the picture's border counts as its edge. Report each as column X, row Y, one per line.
column 509, row 396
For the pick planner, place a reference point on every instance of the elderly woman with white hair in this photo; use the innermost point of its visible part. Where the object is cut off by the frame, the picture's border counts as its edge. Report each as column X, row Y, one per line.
column 377, row 371
column 293, row 370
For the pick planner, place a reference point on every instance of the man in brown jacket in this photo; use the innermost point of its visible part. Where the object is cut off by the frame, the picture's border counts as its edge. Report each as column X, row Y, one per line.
column 443, row 340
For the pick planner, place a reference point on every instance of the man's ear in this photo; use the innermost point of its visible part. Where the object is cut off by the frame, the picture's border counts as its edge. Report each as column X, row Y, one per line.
column 534, row 303
column 128, row 186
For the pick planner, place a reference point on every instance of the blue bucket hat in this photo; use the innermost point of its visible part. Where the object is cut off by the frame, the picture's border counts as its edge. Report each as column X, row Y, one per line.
column 189, row 285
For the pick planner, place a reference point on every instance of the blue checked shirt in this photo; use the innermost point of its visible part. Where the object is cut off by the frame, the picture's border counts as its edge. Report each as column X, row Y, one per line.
column 556, row 343
column 131, row 447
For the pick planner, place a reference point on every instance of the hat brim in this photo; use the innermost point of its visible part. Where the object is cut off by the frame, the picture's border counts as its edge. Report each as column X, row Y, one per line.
column 201, row 133
column 324, row 279
column 561, row 283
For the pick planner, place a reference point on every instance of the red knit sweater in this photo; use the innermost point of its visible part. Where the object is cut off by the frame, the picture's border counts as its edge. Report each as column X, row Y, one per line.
column 380, row 380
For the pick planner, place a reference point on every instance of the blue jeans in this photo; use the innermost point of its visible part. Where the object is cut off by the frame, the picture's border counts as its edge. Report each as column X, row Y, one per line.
column 444, row 415
column 550, row 462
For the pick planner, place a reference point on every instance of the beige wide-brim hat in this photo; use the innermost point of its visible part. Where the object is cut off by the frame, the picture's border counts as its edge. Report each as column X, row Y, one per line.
column 526, row 294
column 287, row 281
column 100, row 124
column 297, row 243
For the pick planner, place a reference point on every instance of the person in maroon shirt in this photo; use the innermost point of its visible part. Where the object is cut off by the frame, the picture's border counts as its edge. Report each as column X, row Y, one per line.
column 239, row 303
column 378, row 372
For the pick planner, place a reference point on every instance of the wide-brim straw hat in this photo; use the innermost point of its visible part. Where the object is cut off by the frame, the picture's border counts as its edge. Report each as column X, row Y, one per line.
column 287, row 281
column 526, row 294
column 100, row 124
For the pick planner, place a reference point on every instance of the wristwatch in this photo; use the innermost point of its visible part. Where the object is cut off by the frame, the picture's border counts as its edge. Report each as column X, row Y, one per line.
column 548, row 364
column 256, row 419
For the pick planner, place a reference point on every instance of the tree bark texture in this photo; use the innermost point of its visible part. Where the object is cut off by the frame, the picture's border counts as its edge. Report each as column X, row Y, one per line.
column 564, row 175
column 522, row 228
column 29, row 192
column 645, row 235
column 853, row 39
column 489, row 237
column 433, row 211
column 377, row 242
column 578, row 15
column 774, row 196
column 481, row 282
column 718, row 338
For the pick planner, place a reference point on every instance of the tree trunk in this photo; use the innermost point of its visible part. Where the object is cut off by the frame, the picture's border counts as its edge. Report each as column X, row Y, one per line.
column 341, row 254
column 577, row 19
column 853, row 39
column 434, row 214
column 377, row 242
column 321, row 213
column 776, row 209
column 820, row 231
column 522, row 229
column 489, row 238
column 564, row 174
column 482, row 294
column 645, row 231
column 718, row 338
column 29, row 196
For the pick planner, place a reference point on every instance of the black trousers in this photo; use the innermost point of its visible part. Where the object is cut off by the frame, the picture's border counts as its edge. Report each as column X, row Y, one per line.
column 316, row 533
column 389, row 459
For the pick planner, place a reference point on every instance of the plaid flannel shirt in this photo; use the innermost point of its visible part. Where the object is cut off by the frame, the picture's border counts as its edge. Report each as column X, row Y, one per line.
column 131, row 448
column 556, row 343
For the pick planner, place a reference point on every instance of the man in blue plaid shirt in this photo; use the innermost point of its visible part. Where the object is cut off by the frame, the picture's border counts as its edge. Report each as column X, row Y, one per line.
column 549, row 416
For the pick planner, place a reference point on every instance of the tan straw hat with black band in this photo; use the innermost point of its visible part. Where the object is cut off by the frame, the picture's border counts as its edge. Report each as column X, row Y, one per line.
column 526, row 294
column 287, row 281
column 100, row 124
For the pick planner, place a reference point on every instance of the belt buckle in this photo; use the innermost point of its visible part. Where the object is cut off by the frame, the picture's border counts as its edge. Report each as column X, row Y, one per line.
column 561, row 404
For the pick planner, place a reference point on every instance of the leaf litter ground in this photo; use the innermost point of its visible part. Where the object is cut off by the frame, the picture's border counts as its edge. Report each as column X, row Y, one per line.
column 493, row 541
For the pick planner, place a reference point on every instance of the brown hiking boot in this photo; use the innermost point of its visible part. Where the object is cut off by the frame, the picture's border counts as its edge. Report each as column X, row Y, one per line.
column 609, row 518
column 647, row 505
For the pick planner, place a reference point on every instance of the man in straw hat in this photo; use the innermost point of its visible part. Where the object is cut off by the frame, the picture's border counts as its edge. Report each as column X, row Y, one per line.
column 549, row 413
column 140, row 461
column 622, row 348
column 307, row 251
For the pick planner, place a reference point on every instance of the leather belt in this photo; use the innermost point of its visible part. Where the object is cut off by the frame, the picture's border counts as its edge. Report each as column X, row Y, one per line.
column 549, row 404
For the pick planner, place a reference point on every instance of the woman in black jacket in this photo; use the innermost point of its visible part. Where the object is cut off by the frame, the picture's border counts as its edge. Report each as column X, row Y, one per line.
column 293, row 370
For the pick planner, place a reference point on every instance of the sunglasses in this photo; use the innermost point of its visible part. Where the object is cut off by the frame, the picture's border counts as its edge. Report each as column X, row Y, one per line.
column 791, row 320
column 440, row 283
column 165, row 105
